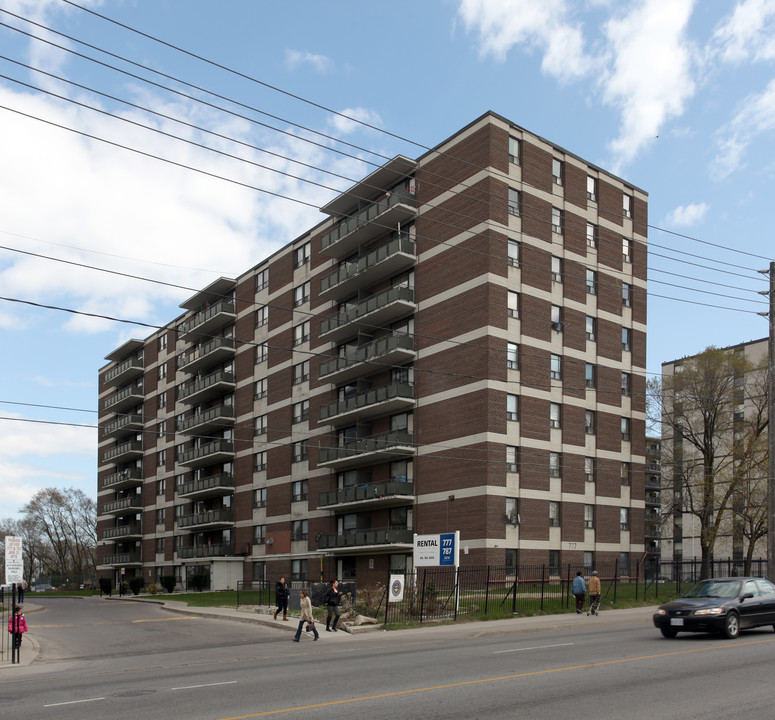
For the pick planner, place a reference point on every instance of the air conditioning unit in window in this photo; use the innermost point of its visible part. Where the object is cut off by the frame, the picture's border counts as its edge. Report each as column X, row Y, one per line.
column 513, row 519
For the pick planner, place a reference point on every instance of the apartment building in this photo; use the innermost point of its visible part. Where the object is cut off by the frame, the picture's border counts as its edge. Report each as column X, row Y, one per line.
column 459, row 345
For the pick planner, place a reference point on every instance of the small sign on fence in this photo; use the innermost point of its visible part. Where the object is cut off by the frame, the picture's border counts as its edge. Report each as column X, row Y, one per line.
column 396, row 588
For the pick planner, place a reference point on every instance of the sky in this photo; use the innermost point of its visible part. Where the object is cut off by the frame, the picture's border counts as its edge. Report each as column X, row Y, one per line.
column 105, row 121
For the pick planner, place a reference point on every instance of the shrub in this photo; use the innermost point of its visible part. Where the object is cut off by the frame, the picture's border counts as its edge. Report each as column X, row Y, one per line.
column 168, row 582
column 198, row 581
column 153, row 588
column 136, row 584
column 105, row 586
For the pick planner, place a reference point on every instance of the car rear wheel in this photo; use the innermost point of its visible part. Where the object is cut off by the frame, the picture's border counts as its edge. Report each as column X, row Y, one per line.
column 668, row 632
column 732, row 626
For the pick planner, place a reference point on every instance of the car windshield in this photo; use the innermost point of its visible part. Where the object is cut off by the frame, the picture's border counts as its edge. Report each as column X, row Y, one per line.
column 715, row 589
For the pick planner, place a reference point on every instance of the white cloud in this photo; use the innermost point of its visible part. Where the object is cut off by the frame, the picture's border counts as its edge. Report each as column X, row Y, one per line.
column 688, row 215
column 343, row 126
column 319, row 63
column 748, row 33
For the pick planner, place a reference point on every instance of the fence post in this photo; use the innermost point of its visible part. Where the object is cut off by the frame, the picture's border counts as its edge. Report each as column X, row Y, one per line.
column 487, row 592
column 543, row 573
column 387, row 595
column 422, row 595
column 514, row 597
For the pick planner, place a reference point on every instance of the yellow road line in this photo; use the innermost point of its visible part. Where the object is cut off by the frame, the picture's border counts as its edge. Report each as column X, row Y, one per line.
column 496, row 679
column 183, row 617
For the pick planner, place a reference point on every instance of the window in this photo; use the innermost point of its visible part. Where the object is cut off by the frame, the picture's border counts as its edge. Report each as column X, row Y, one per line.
column 555, row 367
column 589, row 422
column 626, row 383
column 179, row 511
column 626, row 339
column 161, row 516
column 512, row 511
column 626, row 294
column 512, row 407
column 513, row 300
column 557, row 220
column 554, row 562
column 401, row 470
column 161, row 458
column 624, row 518
column 301, row 294
column 162, row 371
column 555, row 413
column 262, row 279
column 260, row 425
column 301, row 333
column 400, row 422
column 556, row 315
column 298, row 569
column 161, row 487
column 590, row 328
column 556, row 269
column 161, row 400
column 299, row 451
column 262, row 316
column 259, row 572
column 557, row 171
column 554, row 514
column 589, row 517
column 590, row 373
column 512, row 356
column 160, row 546
column 554, row 464
column 589, row 469
column 301, row 255
column 625, row 425
column 262, row 352
column 301, row 372
column 626, row 250
column 627, row 205
column 259, row 462
column 162, row 342
column 591, row 282
column 513, row 250
column 299, row 530
column 300, row 412
column 259, row 498
column 512, row 459
column 514, row 150
column 161, row 429
column 259, row 534
column 624, row 473
column 260, row 388
column 591, row 235
column 514, row 202
column 591, row 188
column 299, row 490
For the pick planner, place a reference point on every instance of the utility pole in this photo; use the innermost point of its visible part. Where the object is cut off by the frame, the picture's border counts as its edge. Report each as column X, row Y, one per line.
column 770, row 432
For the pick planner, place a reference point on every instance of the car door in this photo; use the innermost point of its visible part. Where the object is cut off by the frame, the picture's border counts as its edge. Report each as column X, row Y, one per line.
column 768, row 600
column 750, row 609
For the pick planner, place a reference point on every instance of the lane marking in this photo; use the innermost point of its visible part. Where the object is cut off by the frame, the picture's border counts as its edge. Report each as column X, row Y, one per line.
column 516, row 676
column 74, row 702
column 535, row 647
column 190, row 687
column 184, row 617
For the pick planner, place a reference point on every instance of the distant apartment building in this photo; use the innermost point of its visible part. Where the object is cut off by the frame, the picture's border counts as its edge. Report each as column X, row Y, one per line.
column 459, row 345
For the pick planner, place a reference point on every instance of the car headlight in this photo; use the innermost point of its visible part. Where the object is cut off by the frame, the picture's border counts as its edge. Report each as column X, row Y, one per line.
column 660, row 611
column 709, row 611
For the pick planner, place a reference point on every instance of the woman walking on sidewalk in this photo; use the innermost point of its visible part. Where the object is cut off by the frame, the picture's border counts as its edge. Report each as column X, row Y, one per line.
column 306, row 617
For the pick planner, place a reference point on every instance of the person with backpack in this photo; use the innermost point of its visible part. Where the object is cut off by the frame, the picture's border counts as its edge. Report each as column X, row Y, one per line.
column 17, row 626
column 333, row 597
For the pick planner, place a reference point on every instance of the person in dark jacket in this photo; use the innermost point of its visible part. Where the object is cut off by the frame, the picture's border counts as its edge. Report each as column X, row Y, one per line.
column 579, row 590
column 282, row 593
column 333, row 597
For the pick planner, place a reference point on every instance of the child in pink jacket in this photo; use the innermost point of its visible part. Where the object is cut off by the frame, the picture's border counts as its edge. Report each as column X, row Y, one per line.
column 17, row 625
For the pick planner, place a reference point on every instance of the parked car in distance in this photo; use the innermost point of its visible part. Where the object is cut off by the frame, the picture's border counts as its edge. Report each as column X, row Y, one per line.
column 720, row 605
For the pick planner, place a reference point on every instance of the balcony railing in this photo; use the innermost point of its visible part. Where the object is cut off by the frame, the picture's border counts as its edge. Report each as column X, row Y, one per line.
column 367, row 538
column 212, row 486
column 218, row 315
column 376, row 401
column 129, row 478
column 206, row 421
column 124, row 371
column 123, row 506
column 205, row 551
column 377, row 494
column 209, row 353
column 369, row 358
column 123, row 531
column 379, row 309
column 210, row 386
column 217, row 450
column 131, row 450
column 210, row 518
column 389, row 259
column 124, row 398
column 126, row 423
column 367, row 450
column 374, row 220
column 128, row 558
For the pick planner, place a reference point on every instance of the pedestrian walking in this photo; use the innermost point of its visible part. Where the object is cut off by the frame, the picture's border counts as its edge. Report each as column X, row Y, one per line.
column 20, row 591
column 306, row 617
column 594, row 593
column 17, row 626
column 333, row 598
column 282, row 592
column 579, row 591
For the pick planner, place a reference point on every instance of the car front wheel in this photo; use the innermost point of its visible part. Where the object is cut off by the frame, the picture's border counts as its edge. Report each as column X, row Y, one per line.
column 668, row 632
column 732, row 626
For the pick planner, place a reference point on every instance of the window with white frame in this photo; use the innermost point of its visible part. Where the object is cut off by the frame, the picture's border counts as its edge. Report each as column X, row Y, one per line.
column 301, row 372
column 300, row 412
column 512, row 356
column 161, row 516
column 626, row 294
column 401, row 470
column 557, row 220
column 512, row 511
column 259, row 571
column 555, row 415
column 626, row 383
column 160, row 546
column 557, row 171
column 589, row 422
column 260, row 388
column 299, row 451
column 301, row 294
column 625, row 425
column 513, row 250
column 627, row 205
column 259, row 498
column 590, row 375
column 262, row 316
column 591, row 235
column 589, row 469
column 262, row 279
column 162, row 342
column 624, row 473
column 591, row 188
column 161, row 487
column 259, row 461
column 301, row 333
column 259, row 534
column 627, row 250
column 514, row 150
column 626, row 339
column 556, row 318
column 591, row 282
column 589, row 517
column 299, row 569
column 161, row 400
column 556, row 269
column 513, row 304
column 162, row 371
column 554, row 464
column 301, row 255
column 299, row 529
column 512, row 407
column 590, row 328
column 514, row 202
column 299, row 490
column 555, row 366
column 512, row 458
column 260, row 425
column 624, row 518
column 262, row 352
column 554, row 514
column 161, row 458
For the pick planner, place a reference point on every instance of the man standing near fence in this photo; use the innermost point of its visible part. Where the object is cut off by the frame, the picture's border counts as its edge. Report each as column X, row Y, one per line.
column 579, row 590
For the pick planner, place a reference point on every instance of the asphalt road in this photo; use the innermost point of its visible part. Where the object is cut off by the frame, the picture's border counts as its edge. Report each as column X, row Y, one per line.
column 129, row 660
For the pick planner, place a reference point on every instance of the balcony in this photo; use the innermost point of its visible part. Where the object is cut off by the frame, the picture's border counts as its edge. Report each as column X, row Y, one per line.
column 376, row 219
column 366, row 540
column 209, row 321
column 124, row 372
column 124, row 399
column 207, row 421
column 123, row 559
column 210, row 519
column 376, row 311
column 124, row 506
column 133, row 531
column 208, row 454
column 368, row 450
column 218, row 350
column 383, row 262
column 207, row 388
column 123, row 480
column 124, row 424
column 370, row 403
column 205, row 551
column 387, row 494
column 370, row 358
column 132, row 450
column 213, row 486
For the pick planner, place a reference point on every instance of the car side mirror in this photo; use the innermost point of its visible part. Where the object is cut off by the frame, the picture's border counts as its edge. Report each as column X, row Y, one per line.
column 745, row 596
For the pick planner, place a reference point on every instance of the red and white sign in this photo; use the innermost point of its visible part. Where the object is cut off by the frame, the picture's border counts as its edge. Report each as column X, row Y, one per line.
column 14, row 560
